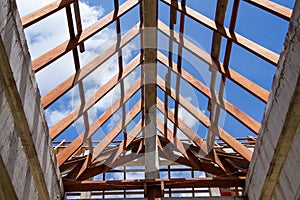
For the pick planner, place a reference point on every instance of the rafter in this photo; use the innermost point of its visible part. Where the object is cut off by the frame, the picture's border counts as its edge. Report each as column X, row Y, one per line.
column 44, row 12
column 227, row 106
column 251, row 46
column 56, row 129
column 272, row 7
column 70, row 82
column 52, row 55
column 245, row 83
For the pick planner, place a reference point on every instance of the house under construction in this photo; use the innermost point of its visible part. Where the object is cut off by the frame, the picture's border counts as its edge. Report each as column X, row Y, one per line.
column 175, row 119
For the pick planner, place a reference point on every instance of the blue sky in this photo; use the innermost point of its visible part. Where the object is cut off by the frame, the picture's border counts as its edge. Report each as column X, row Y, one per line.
column 253, row 23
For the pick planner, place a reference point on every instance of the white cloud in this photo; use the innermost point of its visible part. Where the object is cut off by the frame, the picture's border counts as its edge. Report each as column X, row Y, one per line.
column 54, row 116
column 52, row 31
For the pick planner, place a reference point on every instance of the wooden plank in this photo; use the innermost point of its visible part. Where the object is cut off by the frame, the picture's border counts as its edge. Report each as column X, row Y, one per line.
column 65, row 86
column 52, row 55
column 79, row 141
column 249, row 122
column 214, row 108
column 219, row 19
column 44, row 12
column 231, row 141
column 272, row 7
column 245, row 83
column 168, row 183
column 60, row 126
column 251, row 46
column 78, row 23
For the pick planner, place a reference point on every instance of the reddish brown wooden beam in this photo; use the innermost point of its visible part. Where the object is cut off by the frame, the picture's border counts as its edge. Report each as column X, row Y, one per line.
column 226, row 137
column 245, row 83
column 70, row 186
column 44, row 12
column 249, row 122
column 219, row 19
column 78, row 142
column 56, row 129
column 65, row 86
column 272, row 7
column 52, row 55
column 251, row 46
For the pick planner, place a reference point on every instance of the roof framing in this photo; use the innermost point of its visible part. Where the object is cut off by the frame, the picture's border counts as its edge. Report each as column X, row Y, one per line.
column 152, row 142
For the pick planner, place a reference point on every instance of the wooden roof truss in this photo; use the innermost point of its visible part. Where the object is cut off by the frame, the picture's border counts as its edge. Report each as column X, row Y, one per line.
column 80, row 163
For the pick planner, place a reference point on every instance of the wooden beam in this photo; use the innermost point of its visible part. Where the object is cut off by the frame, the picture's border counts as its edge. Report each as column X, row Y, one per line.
column 52, row 55
column 64, row 123
column 242, row 117
column 79, row 141
column 65, row 86
column 251, row 46
column 150, row 15
column 44, row 12
column 248, row 85
column 214, row 108
column 231, row 141
column 272, row 7
column 168, row 183
column 219, row 19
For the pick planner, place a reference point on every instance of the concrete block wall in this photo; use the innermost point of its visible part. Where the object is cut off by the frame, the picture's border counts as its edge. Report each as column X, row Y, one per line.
column 11, row 147
column 275, row 166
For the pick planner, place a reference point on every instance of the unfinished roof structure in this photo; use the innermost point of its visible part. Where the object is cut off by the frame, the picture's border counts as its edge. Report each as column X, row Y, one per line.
column 168, row 107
